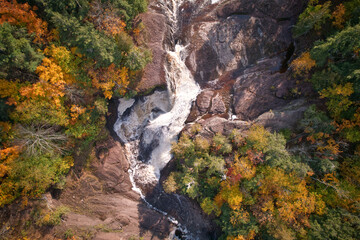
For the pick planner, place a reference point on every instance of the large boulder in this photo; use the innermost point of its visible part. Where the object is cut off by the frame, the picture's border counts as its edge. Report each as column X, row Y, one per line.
column 154, row 74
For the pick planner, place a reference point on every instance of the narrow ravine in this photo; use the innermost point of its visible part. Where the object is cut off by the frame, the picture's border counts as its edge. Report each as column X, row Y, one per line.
column 147, row 126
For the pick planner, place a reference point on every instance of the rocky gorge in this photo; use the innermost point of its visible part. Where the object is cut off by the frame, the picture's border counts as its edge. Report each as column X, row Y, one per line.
column 235, row 54
column 238, row 53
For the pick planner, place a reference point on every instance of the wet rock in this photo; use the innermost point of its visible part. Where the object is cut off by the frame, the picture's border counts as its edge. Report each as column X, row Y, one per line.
column 112, row 168
column 105, row 204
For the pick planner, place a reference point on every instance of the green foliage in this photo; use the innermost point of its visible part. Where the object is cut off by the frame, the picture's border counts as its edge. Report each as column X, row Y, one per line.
column 129, row 8
column 314, row 16
column 338, row 47
column 221, row 144
column 316, row 121
column 32, row 176
column 170, row 184
column 124, row 42
column 17, row 53
column 238, row 191
column 90, row 42
column 353, row 11
column 209, row 207
column 4, row 111
column 53, row 218
column 40, row 111
column 57, row 75
column 77, row 8
column 335, row 224
column 273, row 146
column 137, row 59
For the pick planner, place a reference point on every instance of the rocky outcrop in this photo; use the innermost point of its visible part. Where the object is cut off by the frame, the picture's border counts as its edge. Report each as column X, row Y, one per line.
column 240, row 50
column 154, row 74
column 103, row 202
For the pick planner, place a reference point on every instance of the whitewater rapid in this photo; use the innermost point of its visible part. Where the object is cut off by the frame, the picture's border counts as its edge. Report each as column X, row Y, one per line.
column 155, row 121
column 149, row 125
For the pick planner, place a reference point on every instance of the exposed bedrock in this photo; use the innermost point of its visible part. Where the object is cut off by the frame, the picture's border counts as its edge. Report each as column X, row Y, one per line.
column 238, row 53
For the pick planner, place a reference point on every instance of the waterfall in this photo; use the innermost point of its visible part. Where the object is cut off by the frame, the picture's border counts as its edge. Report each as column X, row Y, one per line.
column 147, row 126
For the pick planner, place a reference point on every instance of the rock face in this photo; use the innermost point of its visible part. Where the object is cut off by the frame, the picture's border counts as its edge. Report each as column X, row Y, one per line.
column 104, row 204
column 154, row 74
column 238, row 53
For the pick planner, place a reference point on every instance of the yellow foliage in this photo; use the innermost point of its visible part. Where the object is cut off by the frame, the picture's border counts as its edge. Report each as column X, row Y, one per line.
column 239, row 217
column 345, row 90
column 170, row 185
column 244, row 167
column 64, row 59
column 338, row 98
column 303, row 64
column 76, row 111
column 258, row 136
column 331, row 146
column 286, row 197
column 10, row 90
column 106, row 79
column 230, row 194
column 50, row 86
column 250, row 236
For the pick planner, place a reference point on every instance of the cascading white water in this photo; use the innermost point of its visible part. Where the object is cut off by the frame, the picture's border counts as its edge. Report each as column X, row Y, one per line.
column 156, row 130
column 184, row 91
column 149, row 125
column 145, row 126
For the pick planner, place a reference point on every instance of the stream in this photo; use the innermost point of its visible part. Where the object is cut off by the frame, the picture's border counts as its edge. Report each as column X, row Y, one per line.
column 148, row 126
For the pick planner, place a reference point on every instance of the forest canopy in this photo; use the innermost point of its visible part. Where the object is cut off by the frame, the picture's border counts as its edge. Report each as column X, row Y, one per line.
column 296, row 184
column 60, row 62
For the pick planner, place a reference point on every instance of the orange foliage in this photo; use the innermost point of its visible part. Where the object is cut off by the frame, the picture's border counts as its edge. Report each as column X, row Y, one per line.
column 109, row 78
column 106, row 19
column 136, row 32
column 7, row 155
column 64, row 59
column 18, row 14
column 350, row 123
column 285, row 196
column 51, row 84
column 241, row 168
column 338, row 16
column 76, row 111
column 331, row 147
column 303, row 64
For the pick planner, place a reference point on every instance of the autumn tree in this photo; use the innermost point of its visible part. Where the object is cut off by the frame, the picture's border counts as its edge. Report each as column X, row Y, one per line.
column 303, row 64
column 108, row 79
column 339, row 16
column 106, row 18
column 18, row 14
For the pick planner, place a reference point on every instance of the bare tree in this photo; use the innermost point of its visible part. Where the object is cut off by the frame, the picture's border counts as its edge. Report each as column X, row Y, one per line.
column 40, row 139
